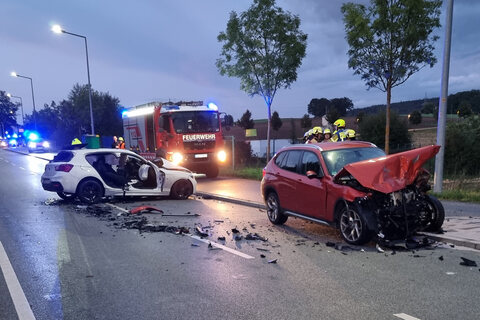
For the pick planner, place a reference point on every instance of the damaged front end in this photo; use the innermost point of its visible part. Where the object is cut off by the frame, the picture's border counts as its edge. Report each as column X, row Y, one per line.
column 396, row 205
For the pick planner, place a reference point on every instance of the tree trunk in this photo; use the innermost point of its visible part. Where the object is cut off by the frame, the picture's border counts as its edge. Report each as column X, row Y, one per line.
column 387, row 115
column 268, row 130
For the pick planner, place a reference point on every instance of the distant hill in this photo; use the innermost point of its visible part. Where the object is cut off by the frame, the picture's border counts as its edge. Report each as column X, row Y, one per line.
column 406, row 107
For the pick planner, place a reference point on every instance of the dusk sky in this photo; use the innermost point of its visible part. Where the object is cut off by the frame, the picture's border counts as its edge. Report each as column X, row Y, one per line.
column 142, row 51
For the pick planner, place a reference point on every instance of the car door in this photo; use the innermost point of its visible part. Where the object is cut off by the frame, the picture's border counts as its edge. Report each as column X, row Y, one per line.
column 286, row 174
column 311, row 192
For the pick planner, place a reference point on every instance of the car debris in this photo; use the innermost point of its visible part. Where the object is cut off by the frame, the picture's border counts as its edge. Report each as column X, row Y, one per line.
column 262, row 255
column 262, row 249
column 330, row 244
column 379, row 249
column 255, row 236
column 272, row 261
column 218, row 221
column 467, row 262
column 195, row 245
column 221, row 238
column 238, row 237
column 199, row 230
column 440, row 258
column 235, row 230
column 145, row 209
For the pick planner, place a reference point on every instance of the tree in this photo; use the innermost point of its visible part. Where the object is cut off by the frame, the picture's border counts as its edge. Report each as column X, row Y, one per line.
column 464, row 109
column 276, row 124
column 46, row 118
column 319, row 107
column 246, row 120
column 306, row 122
column 360, row 116
column 372, row 127
column 462, row 150
column 332, row 115
column 428, row 108
column 8, row 112
column 343, row 105
column 264, row 47
column 293, row 133
column 390, row 41
column 415, row 117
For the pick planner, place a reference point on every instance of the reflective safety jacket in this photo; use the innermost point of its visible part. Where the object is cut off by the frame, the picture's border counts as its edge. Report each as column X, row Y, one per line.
column 339, row 135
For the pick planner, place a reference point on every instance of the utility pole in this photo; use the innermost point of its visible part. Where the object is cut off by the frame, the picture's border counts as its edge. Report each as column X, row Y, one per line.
column 442, row 105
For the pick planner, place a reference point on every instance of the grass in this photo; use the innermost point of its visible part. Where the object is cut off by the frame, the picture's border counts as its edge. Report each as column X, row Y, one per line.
column 254, row 173
column 459, row 195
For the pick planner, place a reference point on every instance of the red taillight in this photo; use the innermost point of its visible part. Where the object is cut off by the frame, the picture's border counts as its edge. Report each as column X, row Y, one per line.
column 263, row 172
column 64, row 167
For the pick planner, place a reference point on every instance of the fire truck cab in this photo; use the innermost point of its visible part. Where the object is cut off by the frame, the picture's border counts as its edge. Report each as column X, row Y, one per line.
column 186, row 133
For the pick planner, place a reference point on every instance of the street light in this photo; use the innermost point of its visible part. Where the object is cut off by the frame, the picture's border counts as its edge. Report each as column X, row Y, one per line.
column 21, row 105
column 58, row 29
column 14, row 74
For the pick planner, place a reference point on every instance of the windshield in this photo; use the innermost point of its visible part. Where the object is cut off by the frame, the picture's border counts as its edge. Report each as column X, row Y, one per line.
column 337, row 159
column 195, row 121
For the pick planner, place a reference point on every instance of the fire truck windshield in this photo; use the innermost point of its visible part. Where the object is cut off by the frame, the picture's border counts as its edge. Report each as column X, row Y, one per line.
column 195, row 121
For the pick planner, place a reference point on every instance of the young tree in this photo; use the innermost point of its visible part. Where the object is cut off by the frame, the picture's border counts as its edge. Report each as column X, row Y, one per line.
column 264, row 47
column 306, row 122
column 276, row 125
column 8, row 111
column 246, row 120
column 389, row 41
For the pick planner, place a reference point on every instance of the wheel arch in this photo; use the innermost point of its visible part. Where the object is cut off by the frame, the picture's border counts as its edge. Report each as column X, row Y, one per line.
column 90, row 179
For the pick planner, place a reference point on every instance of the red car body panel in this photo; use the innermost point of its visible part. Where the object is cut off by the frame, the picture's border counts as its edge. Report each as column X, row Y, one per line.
column 391, row 173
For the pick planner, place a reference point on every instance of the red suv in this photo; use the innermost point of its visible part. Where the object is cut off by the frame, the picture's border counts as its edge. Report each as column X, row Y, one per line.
column 355, row 187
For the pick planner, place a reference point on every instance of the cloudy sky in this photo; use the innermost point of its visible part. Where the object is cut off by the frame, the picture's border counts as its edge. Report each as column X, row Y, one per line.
column 149, row 50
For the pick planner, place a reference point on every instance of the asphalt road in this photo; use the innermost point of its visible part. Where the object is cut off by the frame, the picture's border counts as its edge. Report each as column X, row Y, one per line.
column 72, row 265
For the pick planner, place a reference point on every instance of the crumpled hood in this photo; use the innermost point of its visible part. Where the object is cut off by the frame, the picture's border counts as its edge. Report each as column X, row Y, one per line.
column 390, row 173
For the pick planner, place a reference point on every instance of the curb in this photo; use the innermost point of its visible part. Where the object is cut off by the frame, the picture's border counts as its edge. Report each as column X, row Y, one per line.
column 27, row 154
column 437, row 237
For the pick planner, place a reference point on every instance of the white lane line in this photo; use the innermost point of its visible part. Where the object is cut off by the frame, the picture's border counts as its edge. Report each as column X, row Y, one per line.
column 22, row 306
column 214, row 244
column 405, row 316
column 218, row 245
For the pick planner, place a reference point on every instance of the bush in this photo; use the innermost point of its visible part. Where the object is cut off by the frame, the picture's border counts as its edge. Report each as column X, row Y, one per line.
column 372, row 128
column 462, row 150
column 415, row 117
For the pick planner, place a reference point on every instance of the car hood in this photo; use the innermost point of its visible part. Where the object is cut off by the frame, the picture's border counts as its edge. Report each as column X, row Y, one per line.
column 390, row 173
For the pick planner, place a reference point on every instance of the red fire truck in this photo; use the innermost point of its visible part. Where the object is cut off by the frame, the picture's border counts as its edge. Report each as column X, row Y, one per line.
column 186, row 133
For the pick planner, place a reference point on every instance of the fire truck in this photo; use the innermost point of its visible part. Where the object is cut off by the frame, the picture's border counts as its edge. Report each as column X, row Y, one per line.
column 186, row 133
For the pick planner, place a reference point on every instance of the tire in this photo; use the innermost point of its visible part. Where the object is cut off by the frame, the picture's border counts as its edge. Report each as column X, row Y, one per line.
column 353, row 226
column 437, row 214
column 274, row 211
column 212, row 172
column 181, row 190
column 90, row 191
column 66, row 196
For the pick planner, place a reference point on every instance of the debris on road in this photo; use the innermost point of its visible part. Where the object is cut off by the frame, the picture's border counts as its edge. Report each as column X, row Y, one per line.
column 221, row 238
column 272, row 261
column 195, row 245
column 145, row 209
column 467, row 262
column 330, row 244
column 440, row 258
column 379, row 249
column 255, row 236
column 262, row 255
column 199, row 230
column 235, row 230
column 262, row 249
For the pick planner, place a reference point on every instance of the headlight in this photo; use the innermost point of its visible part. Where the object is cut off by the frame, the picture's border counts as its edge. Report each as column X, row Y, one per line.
column 222, row 156
column 4, row 144
column 32, row 145
column 177, row 157
column 46, row 144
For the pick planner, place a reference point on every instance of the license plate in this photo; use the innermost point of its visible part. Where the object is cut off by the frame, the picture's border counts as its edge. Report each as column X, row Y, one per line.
column 201, row 155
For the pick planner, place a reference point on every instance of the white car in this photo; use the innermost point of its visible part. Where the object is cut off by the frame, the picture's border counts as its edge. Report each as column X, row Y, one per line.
column 91, row 174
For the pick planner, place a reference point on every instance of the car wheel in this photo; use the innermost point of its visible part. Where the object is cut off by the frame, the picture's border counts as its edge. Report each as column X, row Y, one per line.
column 90, row 191
column 181, row 189
column 66, row 196
column 353, row 226
column 437, row 214
column 274, row 211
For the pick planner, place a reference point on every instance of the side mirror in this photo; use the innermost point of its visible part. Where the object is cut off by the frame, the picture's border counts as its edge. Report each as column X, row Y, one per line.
column 312, row 174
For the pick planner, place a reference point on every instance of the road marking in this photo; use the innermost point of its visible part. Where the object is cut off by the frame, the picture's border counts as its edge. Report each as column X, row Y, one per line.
column 405, row 316
column 214, row 244
column 22, row 306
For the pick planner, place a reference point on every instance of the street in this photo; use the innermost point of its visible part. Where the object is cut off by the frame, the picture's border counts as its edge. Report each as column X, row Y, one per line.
column 78, row 263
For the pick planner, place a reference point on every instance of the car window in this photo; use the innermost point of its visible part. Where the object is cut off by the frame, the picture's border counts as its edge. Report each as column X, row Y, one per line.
column 310, row 162
column 63, row 156
column 279, row 158
column 291, row 160
column 337, row 159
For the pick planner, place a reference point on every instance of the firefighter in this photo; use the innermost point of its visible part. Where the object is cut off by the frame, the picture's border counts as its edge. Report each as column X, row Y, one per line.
column 305, row 136
column 318, row 133
column 340, row 132
column 76, row 141
column 327, row 135
column 311, row 137
column 121, row 143
column 76, row 144
column 351, row 134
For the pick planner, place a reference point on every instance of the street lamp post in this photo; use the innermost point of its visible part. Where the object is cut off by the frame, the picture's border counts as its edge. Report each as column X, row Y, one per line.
column 21, row 105
column 14, row 74
column 58, row 29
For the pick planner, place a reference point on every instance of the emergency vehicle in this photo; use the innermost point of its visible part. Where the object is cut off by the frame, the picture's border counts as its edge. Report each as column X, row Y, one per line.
column 186, row 133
